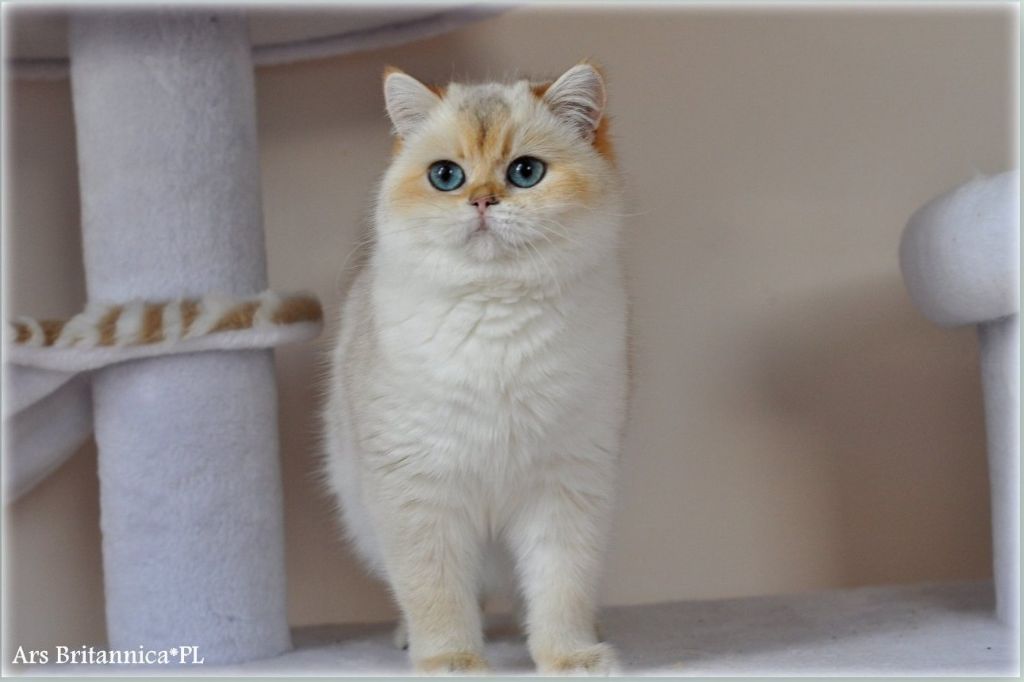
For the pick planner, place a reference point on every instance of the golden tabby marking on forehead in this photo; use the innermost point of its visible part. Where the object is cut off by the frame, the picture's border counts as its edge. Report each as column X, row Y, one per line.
column 488, row 113
column 485, row 132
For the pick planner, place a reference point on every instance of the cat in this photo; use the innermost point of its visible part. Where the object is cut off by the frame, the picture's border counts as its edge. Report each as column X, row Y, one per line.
column 477, row 390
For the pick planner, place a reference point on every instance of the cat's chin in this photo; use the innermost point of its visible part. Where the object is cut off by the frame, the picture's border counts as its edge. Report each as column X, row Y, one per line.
column 485, row 246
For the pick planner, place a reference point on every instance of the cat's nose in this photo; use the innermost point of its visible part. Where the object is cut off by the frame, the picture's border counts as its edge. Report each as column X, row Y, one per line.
column 482, row 203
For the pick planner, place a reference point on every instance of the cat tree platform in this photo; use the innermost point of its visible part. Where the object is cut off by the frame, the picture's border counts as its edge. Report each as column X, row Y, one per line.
column 939, row 630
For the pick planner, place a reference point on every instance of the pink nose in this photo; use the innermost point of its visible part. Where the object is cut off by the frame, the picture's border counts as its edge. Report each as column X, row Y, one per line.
column 483, row 202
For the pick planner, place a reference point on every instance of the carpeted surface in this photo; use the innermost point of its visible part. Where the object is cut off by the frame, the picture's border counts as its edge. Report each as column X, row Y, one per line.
column 918, row 630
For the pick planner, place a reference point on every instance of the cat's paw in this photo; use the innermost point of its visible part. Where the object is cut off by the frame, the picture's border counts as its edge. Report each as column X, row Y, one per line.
column 597, row 659
column 456, row 663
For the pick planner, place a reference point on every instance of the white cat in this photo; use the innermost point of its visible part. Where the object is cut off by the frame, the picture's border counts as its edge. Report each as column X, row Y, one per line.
column 478, row 385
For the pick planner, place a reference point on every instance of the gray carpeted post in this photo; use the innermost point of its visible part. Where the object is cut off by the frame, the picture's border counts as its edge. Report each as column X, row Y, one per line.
column 1000, row 378
column 193, row 546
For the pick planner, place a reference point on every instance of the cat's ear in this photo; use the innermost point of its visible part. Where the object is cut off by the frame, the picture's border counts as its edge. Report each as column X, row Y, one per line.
column 407, row 100
column 578, row 97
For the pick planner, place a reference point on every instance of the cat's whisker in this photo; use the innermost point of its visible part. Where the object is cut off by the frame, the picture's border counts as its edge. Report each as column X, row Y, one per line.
column 554, row 277
column 544, row 234
column 360, row 244
column 562, row 233
column 593, row 209
column 559, row 230
column 533, row 262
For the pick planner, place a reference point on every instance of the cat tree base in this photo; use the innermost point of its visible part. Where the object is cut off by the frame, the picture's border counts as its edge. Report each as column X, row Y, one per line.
column 936, row 630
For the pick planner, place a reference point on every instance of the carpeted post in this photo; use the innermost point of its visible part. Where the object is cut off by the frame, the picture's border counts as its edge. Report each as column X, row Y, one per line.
column 193, row 546
column 1000, row 379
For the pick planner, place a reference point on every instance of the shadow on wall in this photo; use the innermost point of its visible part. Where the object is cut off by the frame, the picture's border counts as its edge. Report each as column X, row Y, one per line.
column 895, row 404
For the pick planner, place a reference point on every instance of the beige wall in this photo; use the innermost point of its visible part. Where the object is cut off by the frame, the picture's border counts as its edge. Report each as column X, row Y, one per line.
column 796, row 425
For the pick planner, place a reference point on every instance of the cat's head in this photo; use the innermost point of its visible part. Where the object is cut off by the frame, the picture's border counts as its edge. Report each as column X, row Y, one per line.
column 511, row 181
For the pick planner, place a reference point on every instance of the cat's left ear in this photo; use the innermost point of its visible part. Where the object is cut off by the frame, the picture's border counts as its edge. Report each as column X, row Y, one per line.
column 578, row 97
column 407, row 100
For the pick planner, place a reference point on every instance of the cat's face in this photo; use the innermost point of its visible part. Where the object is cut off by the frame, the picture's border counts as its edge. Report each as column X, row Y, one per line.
column 499, row 180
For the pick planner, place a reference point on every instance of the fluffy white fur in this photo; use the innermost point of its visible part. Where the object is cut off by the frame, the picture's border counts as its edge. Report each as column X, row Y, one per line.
column 478, row 385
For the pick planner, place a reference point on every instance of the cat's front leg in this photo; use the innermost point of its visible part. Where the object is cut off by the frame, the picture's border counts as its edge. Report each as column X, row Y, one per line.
column 432, row 554
column 558, row 538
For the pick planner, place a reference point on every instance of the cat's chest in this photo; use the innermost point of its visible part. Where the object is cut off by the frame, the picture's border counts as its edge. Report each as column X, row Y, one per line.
column 491, row 343
column 478, row 376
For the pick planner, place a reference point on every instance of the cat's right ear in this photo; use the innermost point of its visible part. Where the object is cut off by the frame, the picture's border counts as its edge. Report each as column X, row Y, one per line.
column 578, row 97
column 407, row 100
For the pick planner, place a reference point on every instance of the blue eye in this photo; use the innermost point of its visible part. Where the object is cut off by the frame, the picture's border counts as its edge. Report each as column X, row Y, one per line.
column 446, row 175
column 526, row 171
